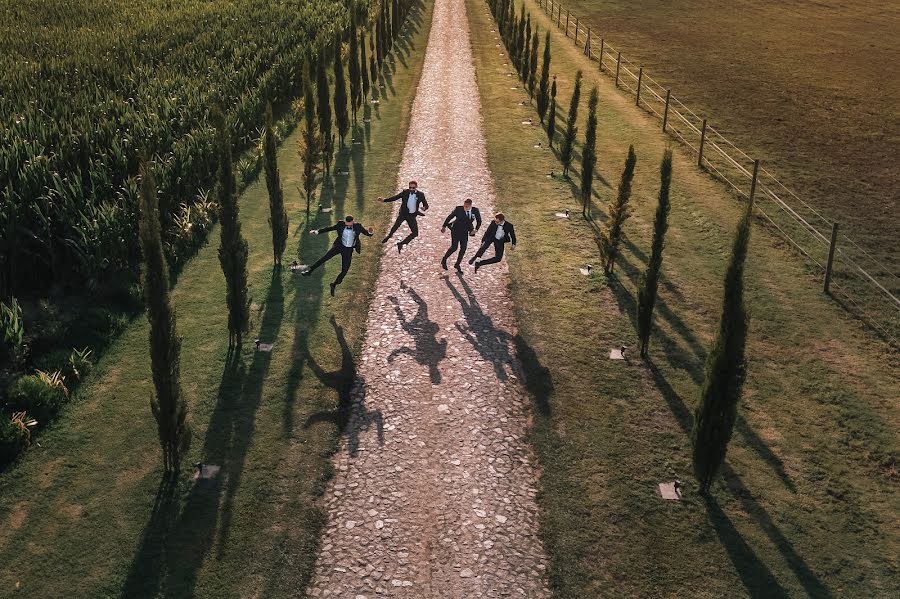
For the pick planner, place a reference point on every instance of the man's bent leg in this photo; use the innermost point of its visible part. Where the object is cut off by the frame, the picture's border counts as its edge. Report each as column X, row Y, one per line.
column 413, row 230
column 346, row 259
column 331, row 253
column 498, row 254
column 394, row 228
column 463, row 244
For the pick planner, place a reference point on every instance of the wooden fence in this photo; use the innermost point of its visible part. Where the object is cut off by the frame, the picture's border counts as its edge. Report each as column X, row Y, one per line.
column 867, row 287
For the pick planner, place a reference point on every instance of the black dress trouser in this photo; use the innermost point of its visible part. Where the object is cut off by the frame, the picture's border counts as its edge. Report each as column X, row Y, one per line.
column 498, row 251
column 346, row 258
column 457, row 241
column 409, row 219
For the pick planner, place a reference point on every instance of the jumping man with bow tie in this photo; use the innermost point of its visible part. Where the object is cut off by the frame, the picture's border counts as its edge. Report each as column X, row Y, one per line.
column 411, row 199
column 463, row 222
column 347, row 240
column 499, row 233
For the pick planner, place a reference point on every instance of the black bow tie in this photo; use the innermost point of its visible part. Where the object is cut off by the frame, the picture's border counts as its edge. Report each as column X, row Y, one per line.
column 349, row 228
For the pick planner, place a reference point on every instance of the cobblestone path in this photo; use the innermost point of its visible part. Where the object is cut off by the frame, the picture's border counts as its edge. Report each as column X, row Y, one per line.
column 434, row 490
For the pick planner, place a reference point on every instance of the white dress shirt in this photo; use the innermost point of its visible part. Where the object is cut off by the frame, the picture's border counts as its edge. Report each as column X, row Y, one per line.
column 500, row 234
column 411, row 202
column 348, row 237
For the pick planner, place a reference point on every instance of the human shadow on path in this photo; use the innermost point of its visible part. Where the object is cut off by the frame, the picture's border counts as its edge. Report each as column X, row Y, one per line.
column 536, row 377
column 428, row 350
column 491, row 343
column 172, row 549
column 350, row 414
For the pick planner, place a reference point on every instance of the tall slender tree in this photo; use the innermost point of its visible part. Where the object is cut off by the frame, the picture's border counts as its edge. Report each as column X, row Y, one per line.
column 525, row 60
column 543, row 99
column 310, row 149
column 353, row 64
column 551, row 118
column 725, row 368
column 233, row 249
column 167, row 405
column 520, row 39
column 278, row 218
column 650, row 280
column 619, row 211
column 568, row 142
column 589, row 155
column 324, row 106
column 532, row 64
column 363, row 67
column 341, row 117
column 373, row 63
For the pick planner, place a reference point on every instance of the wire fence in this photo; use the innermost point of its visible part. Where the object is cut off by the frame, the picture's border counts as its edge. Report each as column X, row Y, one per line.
column 853, row 276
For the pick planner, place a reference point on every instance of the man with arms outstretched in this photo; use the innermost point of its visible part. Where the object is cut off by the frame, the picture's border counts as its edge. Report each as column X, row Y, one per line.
column 463, row 222
column 499, row 233
column 410, row 201
column 347, row 240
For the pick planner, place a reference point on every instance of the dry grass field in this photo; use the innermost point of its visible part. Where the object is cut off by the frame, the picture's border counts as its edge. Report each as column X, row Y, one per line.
column 808, row 86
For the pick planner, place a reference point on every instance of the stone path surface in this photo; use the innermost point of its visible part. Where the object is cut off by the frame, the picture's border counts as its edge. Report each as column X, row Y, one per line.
column 434, row 490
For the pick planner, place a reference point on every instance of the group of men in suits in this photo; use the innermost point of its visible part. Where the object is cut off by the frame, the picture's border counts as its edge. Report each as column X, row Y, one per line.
column 464, row 222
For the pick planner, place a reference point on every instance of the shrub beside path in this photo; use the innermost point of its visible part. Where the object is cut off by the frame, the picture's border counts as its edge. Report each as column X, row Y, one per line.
column 434, row 486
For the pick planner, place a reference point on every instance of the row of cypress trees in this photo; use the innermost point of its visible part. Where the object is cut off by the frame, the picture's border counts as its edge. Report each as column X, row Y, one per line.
column 168, row 405
column 716, row 411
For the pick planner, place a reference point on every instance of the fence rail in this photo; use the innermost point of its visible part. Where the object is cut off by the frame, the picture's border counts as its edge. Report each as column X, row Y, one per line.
column 868, row 288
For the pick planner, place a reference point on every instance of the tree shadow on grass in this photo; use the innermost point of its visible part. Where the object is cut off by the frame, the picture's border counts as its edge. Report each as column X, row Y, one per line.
column 349, row 415
column 535, row 376
column 173, row 549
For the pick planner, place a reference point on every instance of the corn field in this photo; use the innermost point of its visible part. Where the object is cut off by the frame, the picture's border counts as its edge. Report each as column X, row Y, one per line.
column 90, row 86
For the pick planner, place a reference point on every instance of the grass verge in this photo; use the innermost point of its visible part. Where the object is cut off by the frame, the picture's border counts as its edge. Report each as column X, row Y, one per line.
column 808, row 501
column 85, row 515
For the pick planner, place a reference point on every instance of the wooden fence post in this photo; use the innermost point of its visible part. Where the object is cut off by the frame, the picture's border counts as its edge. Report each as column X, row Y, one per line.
column 576, row 31
column 753, row 182
column 567, row 22
column 830, row 263
column 618, row 64
column 666, row 111
column 702, row 141
column 602, row 41
column 640, row 76
column 559, row 17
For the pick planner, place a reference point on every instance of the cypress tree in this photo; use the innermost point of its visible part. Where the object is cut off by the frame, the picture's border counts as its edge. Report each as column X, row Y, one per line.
column 378, row 34
column 589, row 155
column 168, row 405
column 543, row 99
column 525, row 61
column 373, row 62
column 310, row 147
column 725, row 368
column 340, row 93
column 551, row 118
column 233, row 250
column 353, row 64
column 363, row 67
column 532, row 64
column 520, row 39
column 324, row 106
column 568, row 143
column 650, row 280
column 278, row 218
column 619, row 211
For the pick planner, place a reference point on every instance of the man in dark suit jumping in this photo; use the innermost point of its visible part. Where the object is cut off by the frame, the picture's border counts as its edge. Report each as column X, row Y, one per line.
column 347, row 240
column 411, row 200
column 463, row 222
column 499, row 233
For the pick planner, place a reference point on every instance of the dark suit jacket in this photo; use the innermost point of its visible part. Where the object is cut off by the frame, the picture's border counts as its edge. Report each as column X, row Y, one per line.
column 491, row 233
column 403, row 195
column 339, row 229
column 462, row 224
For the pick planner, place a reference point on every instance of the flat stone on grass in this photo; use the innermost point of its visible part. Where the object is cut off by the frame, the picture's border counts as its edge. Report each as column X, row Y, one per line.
column 616, row 354
column 669, row 491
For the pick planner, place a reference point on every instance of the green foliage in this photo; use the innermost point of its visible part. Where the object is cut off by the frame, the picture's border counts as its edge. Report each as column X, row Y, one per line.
column 532, row 64
column 233, row 250
column 278, row 218
column 310, row 149
column 647, row 289
column 589, row 154
column 85, row 91
column 41, row 395
column 324, row 106
column 363, row 67
column 568, row 143
column 15, row 435
column 619, row 211
column 353, row 64
column 340, row 93
column 168, row 405
column 12, row 332
column 543, row 98
column 373, row 63
column 725, row 368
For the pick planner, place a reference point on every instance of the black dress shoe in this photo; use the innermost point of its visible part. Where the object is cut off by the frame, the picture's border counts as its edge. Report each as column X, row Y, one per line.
column 333, row 287
column 444, row 263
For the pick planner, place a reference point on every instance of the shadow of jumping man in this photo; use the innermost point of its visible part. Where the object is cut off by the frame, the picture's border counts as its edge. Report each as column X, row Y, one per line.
column 491, row 343
column 429, row 351
column 350, row 415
